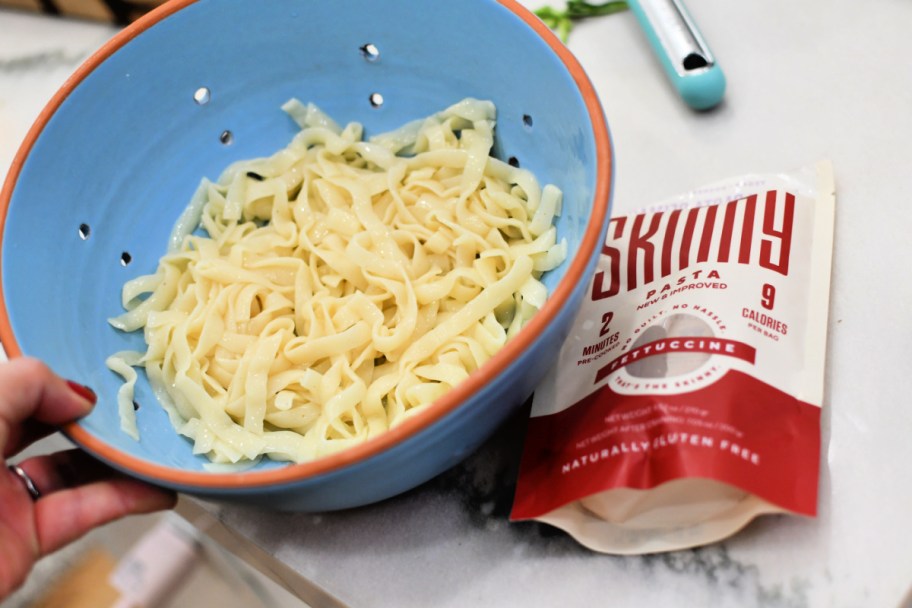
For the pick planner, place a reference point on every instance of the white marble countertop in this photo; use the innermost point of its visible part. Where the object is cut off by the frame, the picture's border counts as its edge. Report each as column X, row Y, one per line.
column 807, row 80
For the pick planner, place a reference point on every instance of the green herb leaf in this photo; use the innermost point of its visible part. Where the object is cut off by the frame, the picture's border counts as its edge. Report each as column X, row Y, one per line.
column 561, row 21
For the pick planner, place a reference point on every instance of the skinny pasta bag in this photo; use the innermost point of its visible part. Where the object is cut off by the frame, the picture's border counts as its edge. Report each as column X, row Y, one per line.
column 686, row 400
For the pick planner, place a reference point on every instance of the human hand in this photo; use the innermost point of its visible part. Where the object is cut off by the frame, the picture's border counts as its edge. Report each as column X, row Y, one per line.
column 77, row 493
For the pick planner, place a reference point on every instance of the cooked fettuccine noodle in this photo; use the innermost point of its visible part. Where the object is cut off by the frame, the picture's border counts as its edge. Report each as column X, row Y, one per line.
column 341, row 286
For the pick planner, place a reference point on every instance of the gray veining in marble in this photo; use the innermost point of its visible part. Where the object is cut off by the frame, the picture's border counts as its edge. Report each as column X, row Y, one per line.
column 42, row 61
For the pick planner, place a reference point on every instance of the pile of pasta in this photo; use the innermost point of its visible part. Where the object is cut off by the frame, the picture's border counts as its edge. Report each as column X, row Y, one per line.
column 313, row 299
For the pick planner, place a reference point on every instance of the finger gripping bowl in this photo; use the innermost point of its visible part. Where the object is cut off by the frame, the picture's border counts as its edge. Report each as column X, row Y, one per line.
column 112, row 161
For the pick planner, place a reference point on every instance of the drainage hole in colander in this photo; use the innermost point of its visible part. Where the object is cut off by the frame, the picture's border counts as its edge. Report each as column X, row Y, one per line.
column 370, row 52
column 125, row 258
column 376, row 100
column 201, row 96
column 513, row 162
column 226, row 137
column 527, row 121
column 84, row 231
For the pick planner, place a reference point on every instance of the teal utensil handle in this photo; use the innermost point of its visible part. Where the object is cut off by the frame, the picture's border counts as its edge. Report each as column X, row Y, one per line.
column 689, row 64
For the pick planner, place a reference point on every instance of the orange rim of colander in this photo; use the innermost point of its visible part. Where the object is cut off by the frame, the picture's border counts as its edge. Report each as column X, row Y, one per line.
column 592, row 241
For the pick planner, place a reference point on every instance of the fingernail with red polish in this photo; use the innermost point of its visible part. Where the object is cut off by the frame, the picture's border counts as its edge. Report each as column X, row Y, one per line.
column 83, row 391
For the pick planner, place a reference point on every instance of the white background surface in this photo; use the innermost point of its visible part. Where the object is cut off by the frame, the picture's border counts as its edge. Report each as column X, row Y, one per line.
column 806, row 80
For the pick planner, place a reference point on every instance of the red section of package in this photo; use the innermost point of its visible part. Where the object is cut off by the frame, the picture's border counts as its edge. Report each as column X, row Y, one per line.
column 686, row 400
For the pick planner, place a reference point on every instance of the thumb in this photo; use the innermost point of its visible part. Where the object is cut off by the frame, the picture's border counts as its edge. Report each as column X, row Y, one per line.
column 30, row 390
